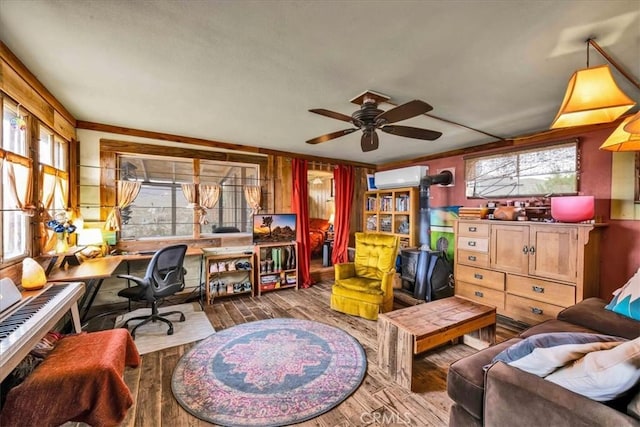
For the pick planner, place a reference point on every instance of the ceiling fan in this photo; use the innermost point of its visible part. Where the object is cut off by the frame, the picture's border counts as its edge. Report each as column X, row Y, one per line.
column 369, row 118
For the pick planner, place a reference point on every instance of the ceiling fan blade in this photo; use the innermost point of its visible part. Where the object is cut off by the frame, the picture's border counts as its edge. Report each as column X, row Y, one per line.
column 331, row 114
column 369, row 141
column 330, row 136
column 411, row 132
column 404, row 111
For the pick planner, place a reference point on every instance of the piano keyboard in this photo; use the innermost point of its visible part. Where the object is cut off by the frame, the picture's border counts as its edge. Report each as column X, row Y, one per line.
column 27, row 311
column 34, row 316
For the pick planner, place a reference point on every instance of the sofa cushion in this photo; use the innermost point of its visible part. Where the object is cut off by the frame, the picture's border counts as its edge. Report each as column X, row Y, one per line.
column 626, row 300
column 554, row 325
column 633, row 408
column 590, row 313
column 465, row 379
column 544, row 353
column 602, row 375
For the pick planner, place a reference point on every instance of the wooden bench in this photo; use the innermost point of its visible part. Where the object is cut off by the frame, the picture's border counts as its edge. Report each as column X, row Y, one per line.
column 80, row 380
column 409, row 331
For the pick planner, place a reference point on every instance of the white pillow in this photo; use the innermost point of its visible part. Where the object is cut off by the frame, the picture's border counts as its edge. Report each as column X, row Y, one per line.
column 602, row 375
column 542, row 354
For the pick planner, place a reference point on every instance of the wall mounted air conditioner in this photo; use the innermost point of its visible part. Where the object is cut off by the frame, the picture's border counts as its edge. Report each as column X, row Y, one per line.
column 403, row 177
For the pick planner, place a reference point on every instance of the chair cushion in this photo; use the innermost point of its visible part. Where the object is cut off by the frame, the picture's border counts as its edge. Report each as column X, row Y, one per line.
column 375, row 254
column 135, row 293
column 359, row 288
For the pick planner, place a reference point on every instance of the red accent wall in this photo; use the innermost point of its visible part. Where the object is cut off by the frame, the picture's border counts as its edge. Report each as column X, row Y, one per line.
column 620, row 250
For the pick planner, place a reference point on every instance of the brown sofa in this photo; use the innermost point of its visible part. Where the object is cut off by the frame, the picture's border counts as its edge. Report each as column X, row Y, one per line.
column 504, row 395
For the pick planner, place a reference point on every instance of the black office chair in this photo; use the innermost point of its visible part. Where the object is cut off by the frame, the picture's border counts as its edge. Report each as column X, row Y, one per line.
column 164, row 277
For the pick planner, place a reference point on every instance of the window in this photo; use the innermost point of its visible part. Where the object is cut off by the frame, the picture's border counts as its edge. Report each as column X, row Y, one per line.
column 161, row 208
column 530, row 172
column 14, row 158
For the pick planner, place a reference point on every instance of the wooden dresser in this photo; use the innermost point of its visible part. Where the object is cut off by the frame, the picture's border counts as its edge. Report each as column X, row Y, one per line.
column 529, row 271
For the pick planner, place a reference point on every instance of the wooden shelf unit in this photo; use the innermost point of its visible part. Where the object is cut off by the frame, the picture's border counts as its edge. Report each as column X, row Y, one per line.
column 393, row 211
column 228, row 275
column 530, row 271
column 276, row 266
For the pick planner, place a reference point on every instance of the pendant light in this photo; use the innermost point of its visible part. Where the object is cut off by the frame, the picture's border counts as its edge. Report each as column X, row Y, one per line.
column 633, row 125
column 623, row 140
column 592, row 96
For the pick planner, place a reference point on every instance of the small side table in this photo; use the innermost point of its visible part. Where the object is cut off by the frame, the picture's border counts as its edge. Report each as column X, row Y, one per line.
column 327, row 249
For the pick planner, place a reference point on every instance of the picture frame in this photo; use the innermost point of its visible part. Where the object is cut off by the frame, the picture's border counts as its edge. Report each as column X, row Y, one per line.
column 371, row 182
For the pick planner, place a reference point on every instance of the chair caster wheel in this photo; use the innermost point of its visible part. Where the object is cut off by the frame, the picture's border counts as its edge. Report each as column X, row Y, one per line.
column 170, row 331
column 182, row 318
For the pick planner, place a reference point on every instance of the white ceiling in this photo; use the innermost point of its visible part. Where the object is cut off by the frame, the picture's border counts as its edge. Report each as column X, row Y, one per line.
column 246, row 72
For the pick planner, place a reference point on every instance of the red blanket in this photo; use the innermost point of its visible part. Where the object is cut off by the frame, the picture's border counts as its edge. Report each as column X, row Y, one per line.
column 81, row 380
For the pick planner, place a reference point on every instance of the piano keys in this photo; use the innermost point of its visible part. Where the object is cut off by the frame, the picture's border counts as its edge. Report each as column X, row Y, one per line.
column 22, row 326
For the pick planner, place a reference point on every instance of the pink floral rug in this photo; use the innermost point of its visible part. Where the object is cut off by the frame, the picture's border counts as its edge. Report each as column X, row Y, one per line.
column 269, row 373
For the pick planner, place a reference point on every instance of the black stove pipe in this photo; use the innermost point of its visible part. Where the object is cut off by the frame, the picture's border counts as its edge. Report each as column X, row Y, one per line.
column 422, row 289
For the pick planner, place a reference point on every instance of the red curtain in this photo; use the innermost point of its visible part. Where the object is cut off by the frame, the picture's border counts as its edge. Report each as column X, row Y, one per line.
column 343, row 176
column 300, row 206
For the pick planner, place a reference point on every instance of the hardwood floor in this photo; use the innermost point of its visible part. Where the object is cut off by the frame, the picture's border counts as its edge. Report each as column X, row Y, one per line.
column 378, row 401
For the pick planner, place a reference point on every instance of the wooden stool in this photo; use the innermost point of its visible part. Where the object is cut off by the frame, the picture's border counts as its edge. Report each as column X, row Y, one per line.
column 80, row 380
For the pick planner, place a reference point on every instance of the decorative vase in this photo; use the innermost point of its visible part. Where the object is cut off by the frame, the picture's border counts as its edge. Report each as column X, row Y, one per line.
column 62, row 246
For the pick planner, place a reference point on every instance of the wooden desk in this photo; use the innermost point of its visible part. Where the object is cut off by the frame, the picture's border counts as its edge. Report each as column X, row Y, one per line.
column 92, row 272
column 409, row 331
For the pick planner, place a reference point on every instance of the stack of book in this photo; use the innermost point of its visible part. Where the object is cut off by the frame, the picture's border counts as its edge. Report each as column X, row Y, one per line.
column 473, row 213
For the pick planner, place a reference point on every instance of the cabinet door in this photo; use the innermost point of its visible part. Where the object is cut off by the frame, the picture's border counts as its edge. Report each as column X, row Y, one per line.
column 553, row 252
column 508, row 243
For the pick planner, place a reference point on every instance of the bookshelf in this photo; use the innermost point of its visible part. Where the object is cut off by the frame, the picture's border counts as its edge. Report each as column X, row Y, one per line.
column 393, row 211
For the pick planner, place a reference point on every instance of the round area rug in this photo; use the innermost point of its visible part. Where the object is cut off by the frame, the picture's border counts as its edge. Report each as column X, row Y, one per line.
column 269, row 373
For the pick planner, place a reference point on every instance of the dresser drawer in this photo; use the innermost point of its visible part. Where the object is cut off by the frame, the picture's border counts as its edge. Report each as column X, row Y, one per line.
column 473, row 258
column 476, row 244
column 479, row 276
column 480, row 294
column 530, row 311
column 541, row 290
column 470, row 229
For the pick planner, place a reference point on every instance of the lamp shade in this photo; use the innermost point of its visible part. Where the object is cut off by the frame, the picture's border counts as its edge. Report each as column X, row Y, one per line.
column 621, row 140
column 592, row 97
column 90, row 237
column 633, row 125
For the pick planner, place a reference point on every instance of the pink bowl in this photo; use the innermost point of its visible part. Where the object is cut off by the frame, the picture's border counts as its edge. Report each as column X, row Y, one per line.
column 572, row 208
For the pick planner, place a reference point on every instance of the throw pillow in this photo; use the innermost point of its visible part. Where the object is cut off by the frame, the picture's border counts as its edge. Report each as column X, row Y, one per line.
column 602, row 375
column 544, row 353
column 626, row 300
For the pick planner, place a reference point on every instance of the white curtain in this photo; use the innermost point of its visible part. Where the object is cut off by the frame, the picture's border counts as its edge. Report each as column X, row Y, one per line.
column 127, row 193
column 20, row 186
column 252, row 196
column 209, row 196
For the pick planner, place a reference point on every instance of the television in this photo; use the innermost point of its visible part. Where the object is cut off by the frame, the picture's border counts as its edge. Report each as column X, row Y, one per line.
column 274, row 228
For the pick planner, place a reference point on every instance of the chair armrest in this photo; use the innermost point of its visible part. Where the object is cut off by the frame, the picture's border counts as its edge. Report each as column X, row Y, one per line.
column 533, row 400
column 138, row 280
column 345, row 270
column 387, row 282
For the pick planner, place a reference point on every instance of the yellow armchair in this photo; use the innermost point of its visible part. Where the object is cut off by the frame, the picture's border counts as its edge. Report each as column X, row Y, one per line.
column 365, row 287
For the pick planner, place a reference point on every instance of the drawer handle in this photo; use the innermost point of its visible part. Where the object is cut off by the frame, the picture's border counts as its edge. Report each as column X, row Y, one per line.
column 525, row 249
column 538, row 289
column 536, row 310
column 471, row 243
column 478, row 276
column 478, row 294
column 532, row 250
column 471, row 258
column 473, row 229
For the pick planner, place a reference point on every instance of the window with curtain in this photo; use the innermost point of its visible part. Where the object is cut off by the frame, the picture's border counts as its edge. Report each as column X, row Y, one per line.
column 530, row 172
column 162, row 209
column 16, row 172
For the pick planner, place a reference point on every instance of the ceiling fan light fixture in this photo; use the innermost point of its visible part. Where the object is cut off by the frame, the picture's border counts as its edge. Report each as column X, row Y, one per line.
column 621, row 140
column 592, row 97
